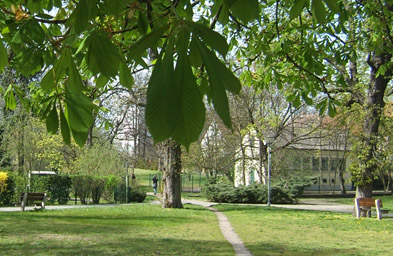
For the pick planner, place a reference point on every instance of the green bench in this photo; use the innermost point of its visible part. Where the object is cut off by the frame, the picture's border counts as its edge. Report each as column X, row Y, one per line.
column 32, row 197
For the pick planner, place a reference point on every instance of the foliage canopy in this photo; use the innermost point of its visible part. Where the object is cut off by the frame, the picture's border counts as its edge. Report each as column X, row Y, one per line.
column 84, row 45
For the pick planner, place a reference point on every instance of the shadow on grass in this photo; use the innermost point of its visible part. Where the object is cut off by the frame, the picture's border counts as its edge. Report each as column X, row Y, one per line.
column 270, row 249
column 125, row 246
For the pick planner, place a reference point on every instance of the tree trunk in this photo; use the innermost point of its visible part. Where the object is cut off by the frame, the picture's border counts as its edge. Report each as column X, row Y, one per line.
column 172, row 178
column 342, row 182
column 374, row 107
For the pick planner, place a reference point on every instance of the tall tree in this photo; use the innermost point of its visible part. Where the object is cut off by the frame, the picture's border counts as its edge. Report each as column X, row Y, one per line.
column 337, row 52
column 312, row 47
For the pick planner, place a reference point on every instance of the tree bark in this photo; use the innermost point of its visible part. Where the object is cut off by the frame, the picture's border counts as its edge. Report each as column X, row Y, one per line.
column 374, row 107
column 171, row 178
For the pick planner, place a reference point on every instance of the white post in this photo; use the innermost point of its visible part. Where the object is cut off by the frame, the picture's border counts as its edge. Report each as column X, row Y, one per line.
column 269, row 166
column 357, row 208
column 378, row 206
column 28, row 182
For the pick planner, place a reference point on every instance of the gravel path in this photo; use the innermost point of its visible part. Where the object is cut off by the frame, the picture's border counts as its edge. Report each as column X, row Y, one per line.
column 225, row 226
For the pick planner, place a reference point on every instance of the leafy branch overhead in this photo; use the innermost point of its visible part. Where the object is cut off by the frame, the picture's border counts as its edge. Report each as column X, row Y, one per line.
column 81, row 46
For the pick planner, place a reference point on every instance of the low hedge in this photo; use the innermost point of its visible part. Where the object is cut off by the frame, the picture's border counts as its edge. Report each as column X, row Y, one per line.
column 283, row 192
column 134, row 194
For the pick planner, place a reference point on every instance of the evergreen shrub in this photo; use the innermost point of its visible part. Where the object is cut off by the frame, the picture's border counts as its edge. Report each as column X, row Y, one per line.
column 58, row 188
column 81, row 186
column 97, row 188
column 283, row 192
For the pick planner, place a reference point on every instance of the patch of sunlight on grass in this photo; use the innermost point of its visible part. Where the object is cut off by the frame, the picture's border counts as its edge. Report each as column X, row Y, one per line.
column 274, row 231
column 122, row 230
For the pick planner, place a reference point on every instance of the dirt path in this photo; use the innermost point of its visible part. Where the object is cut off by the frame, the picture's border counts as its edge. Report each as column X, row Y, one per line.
column 225, row 227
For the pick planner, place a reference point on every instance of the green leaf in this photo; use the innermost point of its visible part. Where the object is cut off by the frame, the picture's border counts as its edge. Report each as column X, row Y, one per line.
column 245, row 10
column 296, row 9
column 137, row 50
column 143, row 23
column 224, row 15
column 79, row 137
column 210, row 37
column 78, row 111
column 161, row 95
column 125, row 75
column 3, row 57
column 74, row 79
column 322, row 107
column 102, row 56
column 85, row 11
column 10, row 101
column 296, row 101
column 30, row 61
column 114, row 7
column 333, row 6
column 318, row 10
column 52, row 120
column 65, row 129
column 60, row 66
column 101, row 81
column 331, row 108
column 195, row 56
column 190, row 104
column 47, row 82
column 306, row 99
column 291, row 97
column 220, row 79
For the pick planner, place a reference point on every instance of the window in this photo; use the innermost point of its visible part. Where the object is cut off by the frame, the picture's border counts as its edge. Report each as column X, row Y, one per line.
column 333, row 180
column 325, row 164
column 306, row 163
column 324, row 180
column 297, row 163
column 336, row 164
column 315, row 164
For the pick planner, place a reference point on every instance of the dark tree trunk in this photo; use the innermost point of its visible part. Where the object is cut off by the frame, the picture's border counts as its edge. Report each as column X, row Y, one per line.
column 89, row 142
column 172, row 178
column 374, row 107
column 342, row 183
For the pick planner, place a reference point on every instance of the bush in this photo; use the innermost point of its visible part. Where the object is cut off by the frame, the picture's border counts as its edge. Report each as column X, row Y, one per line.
column 120, row 193
column 7, row 188
column 81, row 186
column 58, row 188
column 97, row 188
column 38, row 183
column 295, row 186
column 256, row 193
column 110, row 186
column 137, row 195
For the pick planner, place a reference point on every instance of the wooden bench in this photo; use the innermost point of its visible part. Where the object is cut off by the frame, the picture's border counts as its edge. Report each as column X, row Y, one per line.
column 365, row 204
column 33, row 197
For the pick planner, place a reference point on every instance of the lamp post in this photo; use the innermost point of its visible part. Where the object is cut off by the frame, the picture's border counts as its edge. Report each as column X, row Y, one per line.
column 269, row 167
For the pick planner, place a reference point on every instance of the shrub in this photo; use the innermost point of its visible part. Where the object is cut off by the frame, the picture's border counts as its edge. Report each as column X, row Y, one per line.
column 38, row 183
column 7, row 188
column 137, row 195
column 120, row 193
column 295, row 186
column 256, row 193
column 97, row 188
column 81, row 186
column 110, row 186
column 58, row 188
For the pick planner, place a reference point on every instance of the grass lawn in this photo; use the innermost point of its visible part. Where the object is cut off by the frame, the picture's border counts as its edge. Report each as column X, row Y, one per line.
column 124, row 230
column 275, row 231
